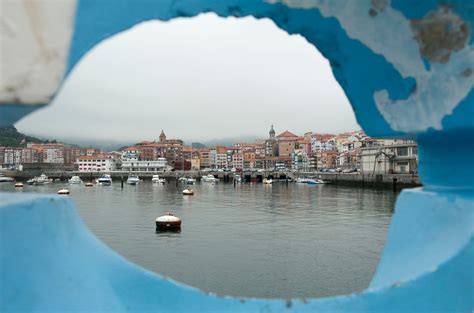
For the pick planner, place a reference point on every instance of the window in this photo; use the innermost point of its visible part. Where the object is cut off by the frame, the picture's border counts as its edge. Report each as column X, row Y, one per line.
column 402, row 151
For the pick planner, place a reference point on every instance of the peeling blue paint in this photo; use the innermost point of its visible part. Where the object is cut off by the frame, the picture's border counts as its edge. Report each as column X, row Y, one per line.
column 49, row 261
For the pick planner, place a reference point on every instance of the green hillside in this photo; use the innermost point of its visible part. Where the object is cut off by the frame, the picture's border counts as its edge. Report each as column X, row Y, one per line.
column 10, row 137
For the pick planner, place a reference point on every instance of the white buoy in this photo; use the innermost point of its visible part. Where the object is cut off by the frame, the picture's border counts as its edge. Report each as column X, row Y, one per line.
column 168, row 221
column 63, row 192
column 188, row 192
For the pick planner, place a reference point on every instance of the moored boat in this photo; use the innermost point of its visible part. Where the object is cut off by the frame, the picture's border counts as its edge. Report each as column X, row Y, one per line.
column 312, row 181
column 42, row 180
column 302, row 180
column 209, row 178
column 157, row 180
column 187, row 180
column 267, row 181
column 75, row 180
column 168, row 222
column 6, row 179
column 63, row 191
column 133, row 180
column 18, row 185
column 89, row 184
column 237, row 178
column 104, row 180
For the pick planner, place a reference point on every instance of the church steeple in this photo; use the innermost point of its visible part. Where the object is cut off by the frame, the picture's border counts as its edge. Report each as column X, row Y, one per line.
column 162, row 136
column 272, row 133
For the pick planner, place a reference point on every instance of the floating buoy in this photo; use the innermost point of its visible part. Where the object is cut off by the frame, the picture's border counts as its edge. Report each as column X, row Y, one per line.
column 63, row 192
column 168, row 222
column 19, row 185
column 188, row 192
column 89, row 185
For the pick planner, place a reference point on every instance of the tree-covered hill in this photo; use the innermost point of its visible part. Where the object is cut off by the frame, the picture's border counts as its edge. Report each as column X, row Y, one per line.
column 10, row 137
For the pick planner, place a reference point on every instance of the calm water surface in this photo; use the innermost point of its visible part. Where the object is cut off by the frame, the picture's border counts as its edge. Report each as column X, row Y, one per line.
column 254, row 240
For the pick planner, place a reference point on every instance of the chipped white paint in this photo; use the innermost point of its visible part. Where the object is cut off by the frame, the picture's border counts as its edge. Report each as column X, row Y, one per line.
column 37, row 34
column 438, row 90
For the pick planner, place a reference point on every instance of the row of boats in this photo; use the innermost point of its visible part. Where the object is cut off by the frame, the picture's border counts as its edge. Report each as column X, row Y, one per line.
column 106, row 179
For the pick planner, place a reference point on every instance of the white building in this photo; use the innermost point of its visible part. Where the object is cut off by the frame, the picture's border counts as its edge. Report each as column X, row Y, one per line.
column 96, row 163
column 145, row 166
column 393, row 159
column 131, row 154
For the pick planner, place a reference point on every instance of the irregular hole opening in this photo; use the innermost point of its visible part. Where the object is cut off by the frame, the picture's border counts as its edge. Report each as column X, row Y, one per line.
column 214, row 80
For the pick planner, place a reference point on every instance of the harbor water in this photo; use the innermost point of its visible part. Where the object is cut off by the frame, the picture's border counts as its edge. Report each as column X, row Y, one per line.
column 248, row 240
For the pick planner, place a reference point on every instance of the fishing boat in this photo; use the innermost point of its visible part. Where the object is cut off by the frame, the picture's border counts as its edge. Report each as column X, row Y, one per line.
column 168, row 222
column 209, row 178
column 133, row 180
column 157, row 180
column 104, row 180
column 75, row 180
column 188, row 192
column 63, row 191
column 302, row 180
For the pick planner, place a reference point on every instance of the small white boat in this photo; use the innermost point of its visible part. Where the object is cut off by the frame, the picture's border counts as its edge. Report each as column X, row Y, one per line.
column 315, row 181
column 42, row 180
column 133, row 180
column 302, row 180
column 157, row 180
column 18, row 185
column 89, row 184
column 267, row 181
column 168, row 222
column 75, row 180
column 188, row 192
column 209, row 178
column 104, row 180
column 5, row 179
column 63, row 191
column 30, row 181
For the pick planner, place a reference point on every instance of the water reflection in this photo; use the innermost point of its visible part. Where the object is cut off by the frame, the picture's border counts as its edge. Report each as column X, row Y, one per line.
column 248, row 240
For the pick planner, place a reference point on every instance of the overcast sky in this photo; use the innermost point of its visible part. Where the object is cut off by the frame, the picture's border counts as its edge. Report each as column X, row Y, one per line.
column 198, row 79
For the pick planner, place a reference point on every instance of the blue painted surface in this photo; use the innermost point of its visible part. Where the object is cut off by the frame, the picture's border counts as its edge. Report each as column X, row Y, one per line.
column 49, row 261
column 14, row 112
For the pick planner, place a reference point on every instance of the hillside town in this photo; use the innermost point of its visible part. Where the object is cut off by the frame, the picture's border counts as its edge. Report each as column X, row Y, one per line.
column 351, row 152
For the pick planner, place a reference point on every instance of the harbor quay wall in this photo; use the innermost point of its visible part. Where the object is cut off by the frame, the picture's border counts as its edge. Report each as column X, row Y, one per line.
column 395, row 181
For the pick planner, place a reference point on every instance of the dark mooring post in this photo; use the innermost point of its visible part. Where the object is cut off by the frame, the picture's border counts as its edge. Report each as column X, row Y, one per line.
column 121, row 182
